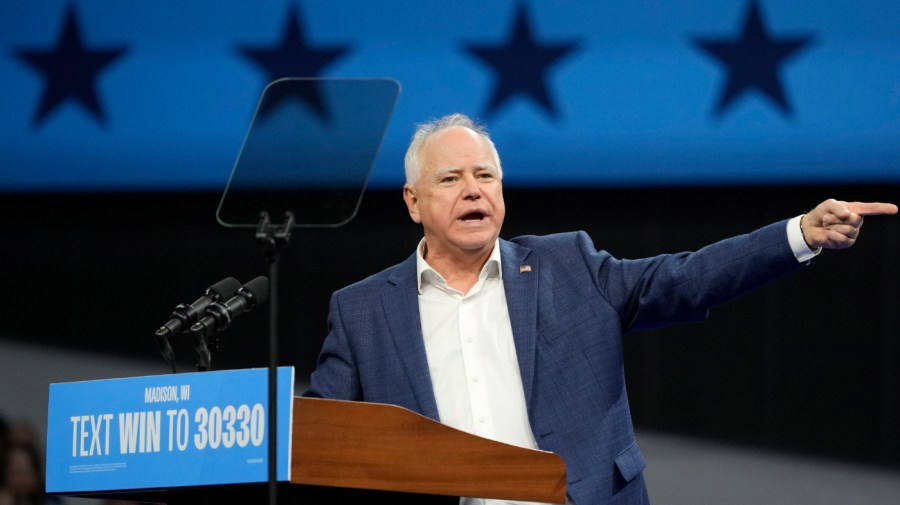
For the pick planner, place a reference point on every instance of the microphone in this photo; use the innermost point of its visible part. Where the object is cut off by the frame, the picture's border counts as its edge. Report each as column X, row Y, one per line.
column 186, row 315
column 219, row 315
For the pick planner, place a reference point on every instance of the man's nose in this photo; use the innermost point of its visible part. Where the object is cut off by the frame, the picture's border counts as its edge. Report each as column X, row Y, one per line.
column 471, row 189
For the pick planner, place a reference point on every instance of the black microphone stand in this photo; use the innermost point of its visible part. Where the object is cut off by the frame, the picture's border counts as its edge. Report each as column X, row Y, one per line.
column 273, row 238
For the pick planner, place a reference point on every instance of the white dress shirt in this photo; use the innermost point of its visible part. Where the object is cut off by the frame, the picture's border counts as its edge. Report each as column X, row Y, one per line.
column 472, row 357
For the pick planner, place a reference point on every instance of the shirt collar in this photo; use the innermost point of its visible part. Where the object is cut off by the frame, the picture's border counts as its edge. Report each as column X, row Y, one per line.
column 427, row 275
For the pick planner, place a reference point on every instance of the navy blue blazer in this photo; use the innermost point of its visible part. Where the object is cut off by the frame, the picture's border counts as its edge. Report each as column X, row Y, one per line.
column 569, row 312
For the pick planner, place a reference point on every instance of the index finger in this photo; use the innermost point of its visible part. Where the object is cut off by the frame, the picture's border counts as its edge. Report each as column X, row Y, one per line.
column 871, row 208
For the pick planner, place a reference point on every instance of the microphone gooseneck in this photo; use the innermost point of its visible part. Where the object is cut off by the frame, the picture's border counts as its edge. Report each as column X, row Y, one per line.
column 185, row 315
column 220, row 315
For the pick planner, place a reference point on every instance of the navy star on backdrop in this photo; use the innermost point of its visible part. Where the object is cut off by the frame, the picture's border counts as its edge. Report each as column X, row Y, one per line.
column 292, row 57
column 70, row 71
column 521, row 65
column 753, row 61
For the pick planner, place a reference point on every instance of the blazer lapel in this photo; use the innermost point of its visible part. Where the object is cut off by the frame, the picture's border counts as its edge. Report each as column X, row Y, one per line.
column 401, row 307
column 520, row 283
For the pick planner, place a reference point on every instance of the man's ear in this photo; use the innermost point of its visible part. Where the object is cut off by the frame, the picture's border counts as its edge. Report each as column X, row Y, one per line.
column 412, row 202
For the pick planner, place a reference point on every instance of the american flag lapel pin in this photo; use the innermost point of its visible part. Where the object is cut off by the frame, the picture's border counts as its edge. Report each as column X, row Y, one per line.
column 524, row 268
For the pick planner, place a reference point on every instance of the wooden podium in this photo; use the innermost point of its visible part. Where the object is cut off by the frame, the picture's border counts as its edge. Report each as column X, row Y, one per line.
column 355, row 452
column 383, row 447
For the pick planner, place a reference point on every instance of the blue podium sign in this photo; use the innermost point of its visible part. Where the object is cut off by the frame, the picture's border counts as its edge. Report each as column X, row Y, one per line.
column 189, row 429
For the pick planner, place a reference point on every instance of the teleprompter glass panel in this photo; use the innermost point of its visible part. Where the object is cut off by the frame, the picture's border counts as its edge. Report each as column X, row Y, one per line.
column 309, row 151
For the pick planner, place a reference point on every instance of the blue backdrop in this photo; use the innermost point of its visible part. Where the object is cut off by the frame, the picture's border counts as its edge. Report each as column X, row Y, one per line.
column 157, row 95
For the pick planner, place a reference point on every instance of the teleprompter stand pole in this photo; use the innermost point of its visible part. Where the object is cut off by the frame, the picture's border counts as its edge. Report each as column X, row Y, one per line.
column 272, row 238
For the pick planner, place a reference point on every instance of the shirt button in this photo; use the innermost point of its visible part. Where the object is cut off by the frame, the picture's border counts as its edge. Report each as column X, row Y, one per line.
column 482, row 419
column 474, row 379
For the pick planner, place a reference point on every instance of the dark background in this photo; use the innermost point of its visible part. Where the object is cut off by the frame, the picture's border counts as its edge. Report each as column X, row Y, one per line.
column 808, row 365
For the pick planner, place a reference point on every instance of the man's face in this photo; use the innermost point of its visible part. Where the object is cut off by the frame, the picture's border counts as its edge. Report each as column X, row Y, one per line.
column 458, row 198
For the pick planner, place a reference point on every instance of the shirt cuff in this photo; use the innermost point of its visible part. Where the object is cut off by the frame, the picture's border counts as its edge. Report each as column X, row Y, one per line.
column 802, row 251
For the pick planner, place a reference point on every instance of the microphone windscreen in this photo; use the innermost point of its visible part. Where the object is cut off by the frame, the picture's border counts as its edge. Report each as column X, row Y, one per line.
column 258, row 289
column 225, row 288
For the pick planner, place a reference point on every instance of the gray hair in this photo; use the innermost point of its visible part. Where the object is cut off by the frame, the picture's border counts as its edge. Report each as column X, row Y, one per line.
column 412, row 163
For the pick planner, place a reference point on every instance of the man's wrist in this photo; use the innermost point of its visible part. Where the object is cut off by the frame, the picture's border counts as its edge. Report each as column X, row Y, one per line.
column 801, row 249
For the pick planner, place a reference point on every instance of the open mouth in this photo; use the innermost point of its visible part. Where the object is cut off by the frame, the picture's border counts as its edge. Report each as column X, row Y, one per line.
column 472, row 216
